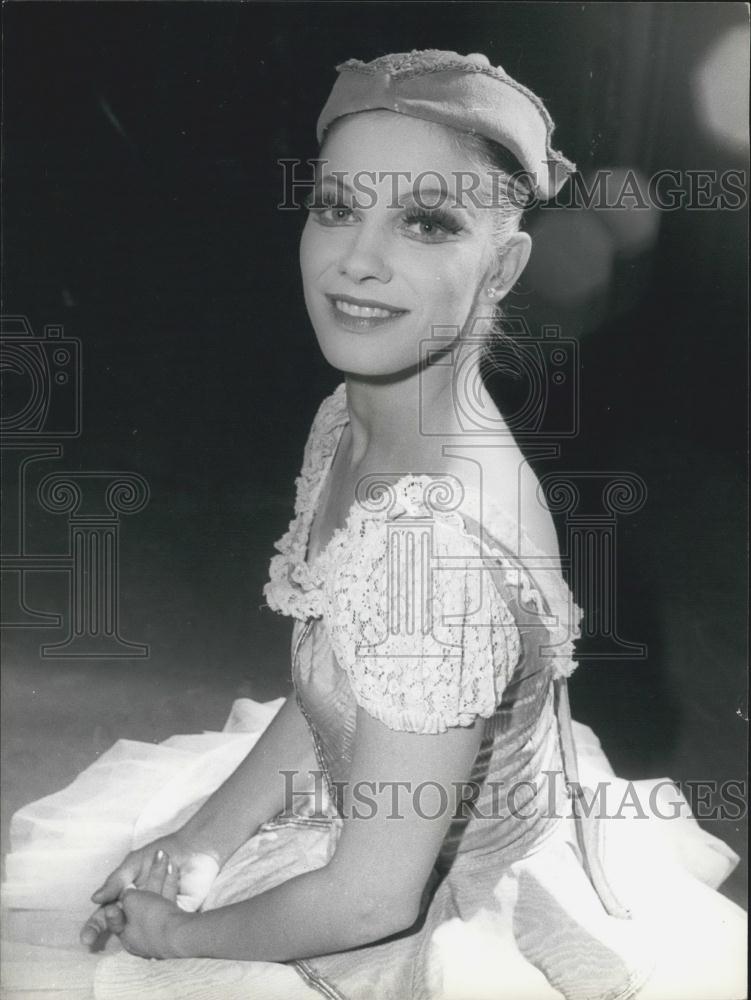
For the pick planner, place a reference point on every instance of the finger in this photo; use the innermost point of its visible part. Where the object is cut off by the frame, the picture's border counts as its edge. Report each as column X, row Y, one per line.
column 157, row 874
column 115, row 918
column 127, row 872
column 93, row 928
column 127, row 896
column 171, row 882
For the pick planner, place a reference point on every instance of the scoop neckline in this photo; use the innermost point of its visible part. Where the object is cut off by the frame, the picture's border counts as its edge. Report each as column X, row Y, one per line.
column 500, row 536
column 498, row 526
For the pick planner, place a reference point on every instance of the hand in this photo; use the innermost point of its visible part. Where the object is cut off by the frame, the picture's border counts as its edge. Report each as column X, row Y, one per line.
column 148, row 919
column 193, row 869
column 151, row 916
column 152, row 924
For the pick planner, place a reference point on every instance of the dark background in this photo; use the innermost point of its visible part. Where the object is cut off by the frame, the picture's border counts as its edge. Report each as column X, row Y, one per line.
column 140, row 211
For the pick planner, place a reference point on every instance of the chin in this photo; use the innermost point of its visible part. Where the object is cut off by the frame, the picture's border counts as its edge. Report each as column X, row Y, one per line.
column 367, row 355
column 367, row 364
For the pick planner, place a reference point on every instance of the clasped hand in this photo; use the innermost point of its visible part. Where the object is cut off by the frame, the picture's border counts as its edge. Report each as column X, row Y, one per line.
column 138, row 900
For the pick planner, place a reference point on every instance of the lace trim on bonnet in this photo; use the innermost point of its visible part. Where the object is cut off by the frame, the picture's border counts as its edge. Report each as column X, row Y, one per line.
column 346, row 584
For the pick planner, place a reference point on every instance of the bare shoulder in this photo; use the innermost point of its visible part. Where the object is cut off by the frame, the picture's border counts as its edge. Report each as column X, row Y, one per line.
column 535, row 516
column 509, row 482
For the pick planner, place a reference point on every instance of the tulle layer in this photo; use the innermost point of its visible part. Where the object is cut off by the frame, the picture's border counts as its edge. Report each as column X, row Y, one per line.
column 533, row 929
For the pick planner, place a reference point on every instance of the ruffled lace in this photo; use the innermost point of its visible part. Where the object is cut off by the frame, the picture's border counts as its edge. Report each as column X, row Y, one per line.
column 424, row 649
column 346, row 585
column 295, row 587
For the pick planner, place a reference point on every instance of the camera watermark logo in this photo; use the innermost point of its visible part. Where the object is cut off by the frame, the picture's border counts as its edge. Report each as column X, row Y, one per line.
column 541, row 395
column 41, row 382
column 41, row 409
column 542, row 370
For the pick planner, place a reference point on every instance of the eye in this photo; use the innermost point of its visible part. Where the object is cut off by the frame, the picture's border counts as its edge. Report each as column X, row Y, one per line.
column 340, row 212
column 431, row 226
column 329, row 211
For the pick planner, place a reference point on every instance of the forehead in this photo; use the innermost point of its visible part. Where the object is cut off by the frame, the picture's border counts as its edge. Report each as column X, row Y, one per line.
column 385, row 142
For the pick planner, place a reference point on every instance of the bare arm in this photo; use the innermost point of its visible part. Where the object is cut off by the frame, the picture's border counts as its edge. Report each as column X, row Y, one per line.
column 255, row 791
column 372, row 886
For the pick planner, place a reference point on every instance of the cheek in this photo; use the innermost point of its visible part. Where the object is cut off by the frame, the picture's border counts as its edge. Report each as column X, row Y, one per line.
column 319, row 254
column 306, row 251
column 450, row 290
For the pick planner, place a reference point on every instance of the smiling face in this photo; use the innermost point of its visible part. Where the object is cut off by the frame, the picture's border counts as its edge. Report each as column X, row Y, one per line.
column 380, row 267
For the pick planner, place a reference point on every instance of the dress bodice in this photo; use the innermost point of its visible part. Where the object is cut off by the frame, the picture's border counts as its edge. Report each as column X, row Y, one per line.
column 424, row 611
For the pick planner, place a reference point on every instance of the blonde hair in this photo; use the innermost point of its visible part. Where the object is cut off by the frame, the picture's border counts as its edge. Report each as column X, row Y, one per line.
column 507, row 192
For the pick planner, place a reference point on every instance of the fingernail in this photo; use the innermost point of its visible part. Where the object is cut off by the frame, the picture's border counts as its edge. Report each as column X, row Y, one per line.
column 169, row 868
column 159, row 854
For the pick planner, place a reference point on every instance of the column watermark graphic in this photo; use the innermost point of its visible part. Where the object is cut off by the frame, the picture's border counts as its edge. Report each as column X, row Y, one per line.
column 590, row 549
column 41, row 409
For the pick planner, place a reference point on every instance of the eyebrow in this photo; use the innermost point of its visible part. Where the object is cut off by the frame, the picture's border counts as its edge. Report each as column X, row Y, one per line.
column 441, row 195
column 335, row 182
column 437, row 197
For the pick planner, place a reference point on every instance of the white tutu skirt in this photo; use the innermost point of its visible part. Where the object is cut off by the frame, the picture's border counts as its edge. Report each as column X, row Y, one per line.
column 63, row 847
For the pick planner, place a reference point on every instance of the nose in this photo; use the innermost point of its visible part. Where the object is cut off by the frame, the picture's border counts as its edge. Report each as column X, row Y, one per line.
column 364, row 256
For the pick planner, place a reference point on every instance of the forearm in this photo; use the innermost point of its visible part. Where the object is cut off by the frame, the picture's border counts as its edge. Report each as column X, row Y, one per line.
column 255, row 791
column 310, row 914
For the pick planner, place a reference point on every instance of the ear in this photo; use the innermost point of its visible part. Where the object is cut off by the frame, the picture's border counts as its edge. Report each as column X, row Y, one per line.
column 507, row 269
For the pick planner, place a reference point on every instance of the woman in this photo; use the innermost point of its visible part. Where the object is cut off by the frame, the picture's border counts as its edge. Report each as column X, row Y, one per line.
column 432, row 637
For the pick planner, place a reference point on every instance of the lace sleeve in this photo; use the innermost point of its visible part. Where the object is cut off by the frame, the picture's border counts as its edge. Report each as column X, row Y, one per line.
column 426, row 639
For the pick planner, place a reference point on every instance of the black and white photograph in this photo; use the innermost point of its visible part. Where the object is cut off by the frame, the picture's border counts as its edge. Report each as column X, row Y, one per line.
column 374, row 453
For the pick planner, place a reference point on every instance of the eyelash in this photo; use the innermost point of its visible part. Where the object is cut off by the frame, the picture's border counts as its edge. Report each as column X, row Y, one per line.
column 433, row 216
